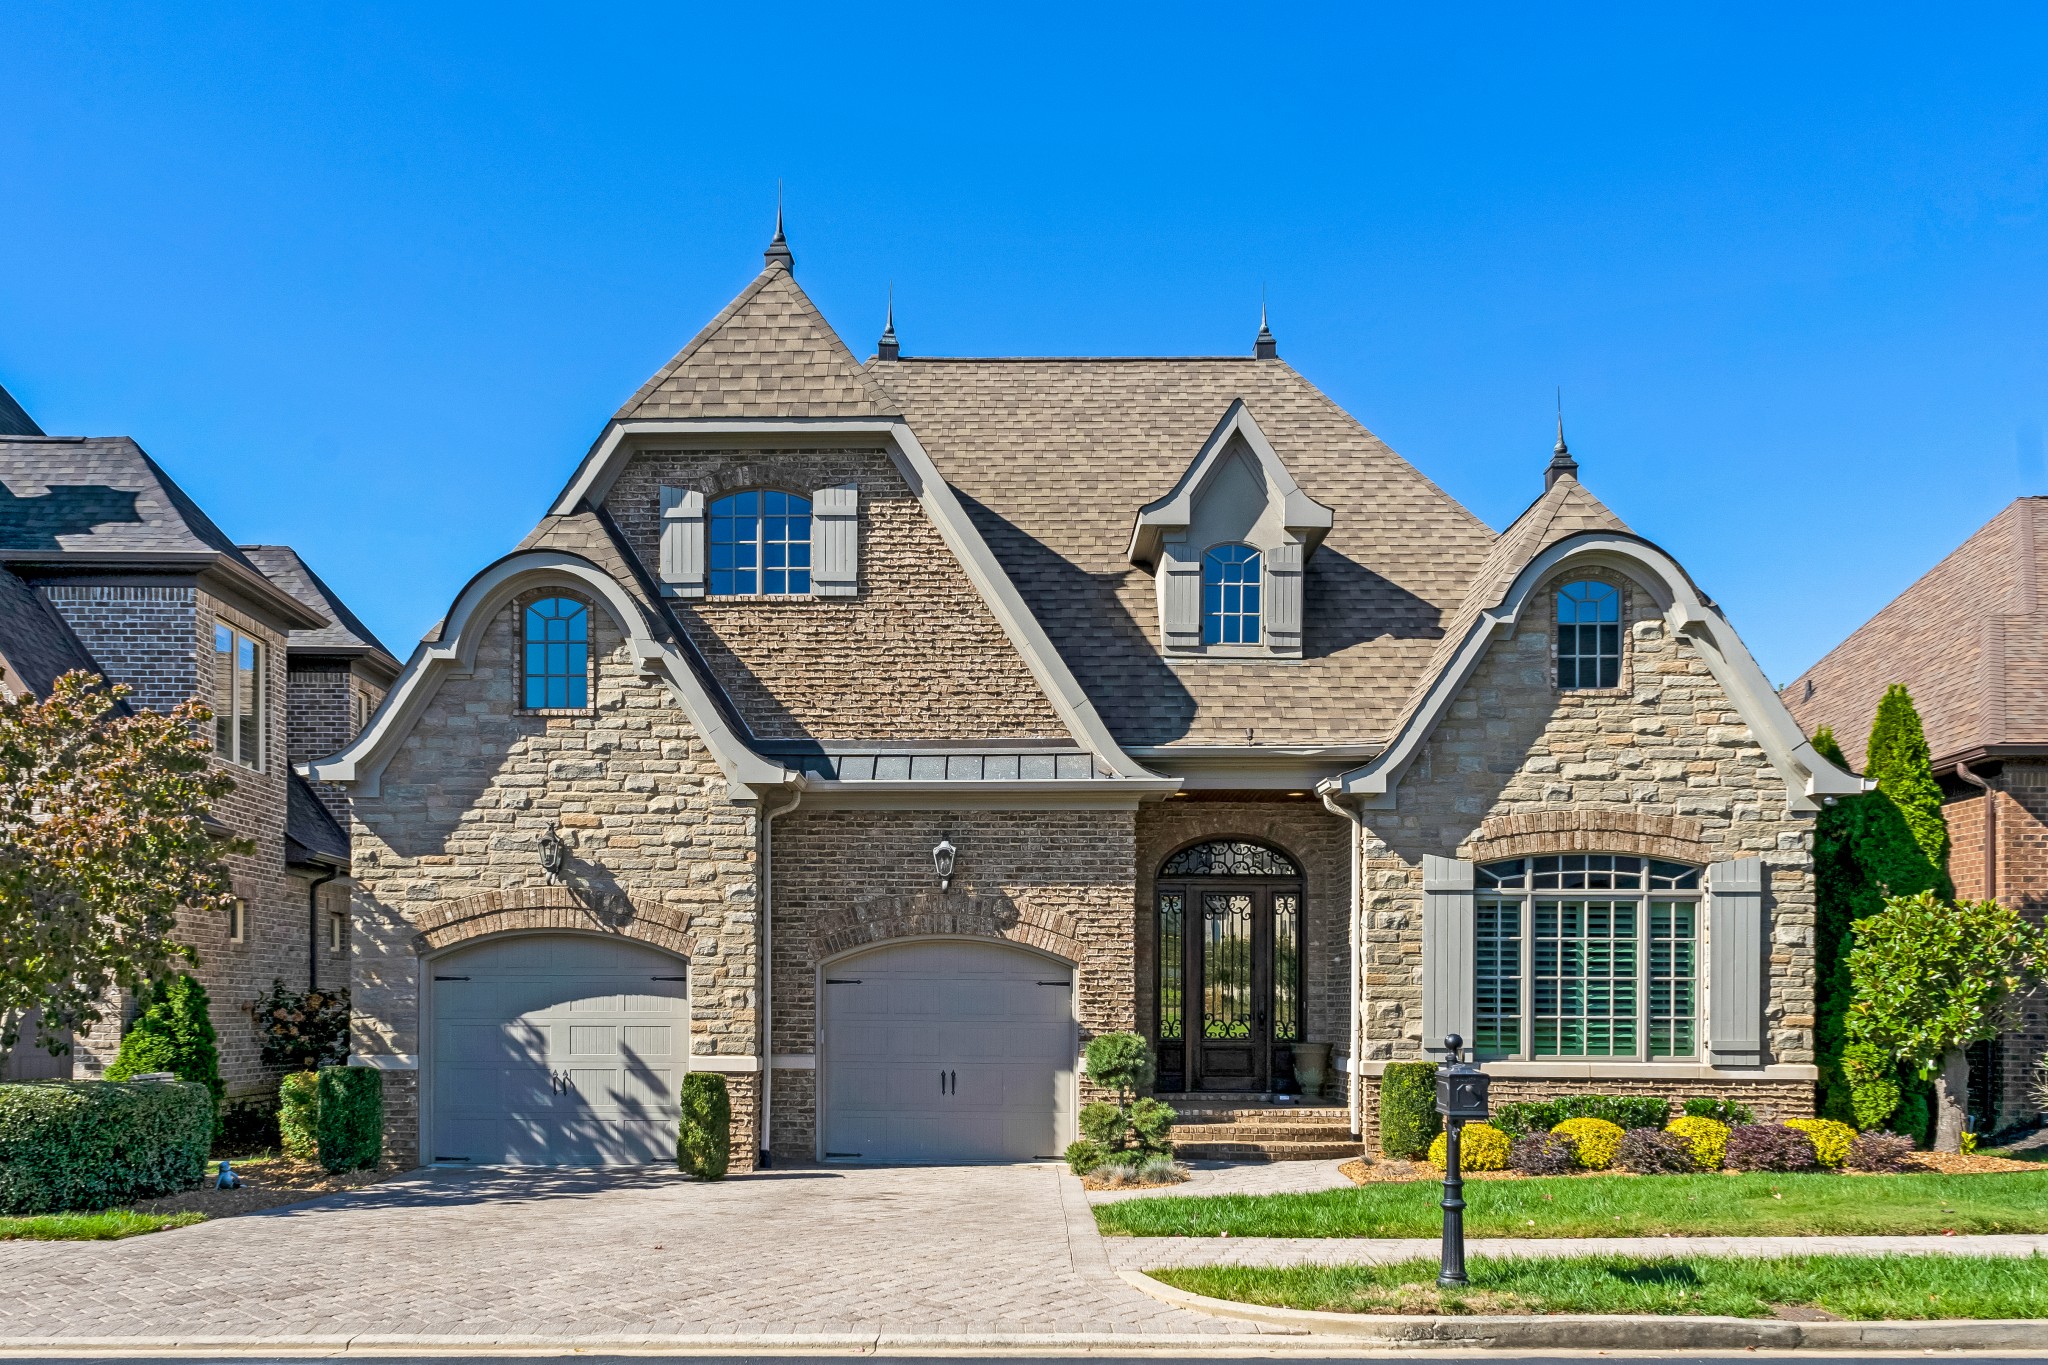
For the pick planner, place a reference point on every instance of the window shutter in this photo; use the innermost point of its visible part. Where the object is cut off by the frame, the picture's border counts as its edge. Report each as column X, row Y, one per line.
column 682, row 542
column 1735, row 963
column 1282, row 607
column 1180, row 603
column 1448, row 953
column 835, row 541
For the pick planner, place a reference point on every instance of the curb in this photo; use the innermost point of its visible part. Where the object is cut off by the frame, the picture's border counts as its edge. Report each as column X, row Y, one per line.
column 1259, row 1341
column 1605, row 1332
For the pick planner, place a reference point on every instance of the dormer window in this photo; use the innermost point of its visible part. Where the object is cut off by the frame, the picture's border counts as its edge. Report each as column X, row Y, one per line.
column 1230, row 596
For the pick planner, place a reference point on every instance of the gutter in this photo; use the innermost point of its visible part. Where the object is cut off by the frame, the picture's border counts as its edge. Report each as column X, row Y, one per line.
column 1990, row 828
column 313, row 926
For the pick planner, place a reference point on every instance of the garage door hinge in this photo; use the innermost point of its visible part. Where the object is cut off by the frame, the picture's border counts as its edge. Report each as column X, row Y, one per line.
column 1055, row 983
column 842, row 981
column 451, row 978
column 671, row 978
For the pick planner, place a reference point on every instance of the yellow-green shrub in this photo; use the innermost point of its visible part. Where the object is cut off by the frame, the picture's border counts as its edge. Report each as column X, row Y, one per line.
column 1708, row 1137
column 1594, row 1141
column 1831, row 1140
column 1481, row 1147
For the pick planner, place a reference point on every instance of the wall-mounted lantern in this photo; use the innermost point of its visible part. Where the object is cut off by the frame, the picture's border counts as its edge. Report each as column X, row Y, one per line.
column 553, row 853
column 943, row 856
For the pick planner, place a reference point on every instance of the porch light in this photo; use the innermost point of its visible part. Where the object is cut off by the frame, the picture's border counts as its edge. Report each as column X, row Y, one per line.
column 552, row 853
column 942, row 862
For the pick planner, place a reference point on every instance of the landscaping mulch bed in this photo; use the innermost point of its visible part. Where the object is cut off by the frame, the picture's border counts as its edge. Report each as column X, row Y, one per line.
column 1360, row 1171
column 267, row 1183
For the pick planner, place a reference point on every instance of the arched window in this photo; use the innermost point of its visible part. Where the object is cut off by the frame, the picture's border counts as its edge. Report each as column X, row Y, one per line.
column 557, row 634
column 1588, row 635
column 1230, row 596
column 761, row 545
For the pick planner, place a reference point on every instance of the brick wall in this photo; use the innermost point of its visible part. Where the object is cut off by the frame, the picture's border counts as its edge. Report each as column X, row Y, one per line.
column 1664, row 752
column 141, row 636
column 916, row 654
column 2021, row 791
column 447, row 849
column 327, row 696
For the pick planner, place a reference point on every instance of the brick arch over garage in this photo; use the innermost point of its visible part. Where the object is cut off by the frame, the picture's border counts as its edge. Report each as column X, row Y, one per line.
column 931, row 914
column 556, row 908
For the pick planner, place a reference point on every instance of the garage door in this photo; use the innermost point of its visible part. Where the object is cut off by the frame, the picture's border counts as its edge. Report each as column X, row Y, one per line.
column 947, row 1052
column 557, row 1050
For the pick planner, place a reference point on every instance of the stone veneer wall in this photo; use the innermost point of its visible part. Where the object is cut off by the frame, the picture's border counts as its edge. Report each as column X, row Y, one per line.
column 916, row 655
column 1317, row 840
column 447, row 851
column 1060, row 881
column 1665, row 755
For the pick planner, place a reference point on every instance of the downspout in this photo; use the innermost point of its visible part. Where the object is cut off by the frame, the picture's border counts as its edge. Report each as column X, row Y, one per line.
column 1990, row 829
column 1354, row 1083
column 313, row 927
column 767, row 903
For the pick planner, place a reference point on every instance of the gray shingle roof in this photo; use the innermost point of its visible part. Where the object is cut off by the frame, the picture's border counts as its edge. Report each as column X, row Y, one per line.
column 344, row 632
column 1053, row 458
column 769, row 353
column 36, row 644
column 311, row 834
column 14, row 419
column 98, row 495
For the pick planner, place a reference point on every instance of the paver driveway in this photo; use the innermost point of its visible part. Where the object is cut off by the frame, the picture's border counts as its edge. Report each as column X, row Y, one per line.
column 498, row 1254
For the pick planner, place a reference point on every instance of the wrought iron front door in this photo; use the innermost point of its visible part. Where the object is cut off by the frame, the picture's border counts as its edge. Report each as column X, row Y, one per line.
column 1229, row 972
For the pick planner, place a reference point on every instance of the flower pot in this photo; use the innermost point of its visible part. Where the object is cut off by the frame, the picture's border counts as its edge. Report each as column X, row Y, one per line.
column 1311, row 1065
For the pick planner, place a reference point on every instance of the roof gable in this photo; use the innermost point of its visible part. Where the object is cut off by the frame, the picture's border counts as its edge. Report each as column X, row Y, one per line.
column 1237, row 441
column 345, row 631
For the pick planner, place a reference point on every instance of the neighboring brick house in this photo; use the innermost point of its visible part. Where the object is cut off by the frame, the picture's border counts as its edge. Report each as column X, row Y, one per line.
column 1969, row 640
column 874, row 734
column 110, row 567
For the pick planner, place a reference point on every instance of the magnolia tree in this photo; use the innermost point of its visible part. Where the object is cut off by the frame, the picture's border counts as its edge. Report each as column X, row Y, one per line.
column 1933, row 976
column 103, row 841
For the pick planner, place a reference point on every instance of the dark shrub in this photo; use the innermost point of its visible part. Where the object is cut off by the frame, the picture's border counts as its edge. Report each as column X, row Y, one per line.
column 1540, row 1116
column 1408, row 1117
column 173, row 1031
column 1769, row 1147
column 93, row 1144
column 1720, row 1111
column 1542, row 1154
column 248, row 1128
column 704, row 1134
column 1878, row 1152
column 298, row 1115
column 1652, row 1151
column 351, row 1120
column 304, row 1030
column 1084, row 1156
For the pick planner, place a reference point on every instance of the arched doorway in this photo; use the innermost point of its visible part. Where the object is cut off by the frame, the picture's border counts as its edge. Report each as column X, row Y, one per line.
column 1228, row 915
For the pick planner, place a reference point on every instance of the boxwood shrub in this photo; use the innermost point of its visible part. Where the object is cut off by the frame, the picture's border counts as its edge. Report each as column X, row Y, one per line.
column 83, row 1145
column 1408, row 1117
column 351, row 1117
column 704, row 1134
column 1521, row 1117
column 298, row 1114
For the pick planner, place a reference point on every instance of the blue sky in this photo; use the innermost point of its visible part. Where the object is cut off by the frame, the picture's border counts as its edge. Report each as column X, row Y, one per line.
column 368, row 279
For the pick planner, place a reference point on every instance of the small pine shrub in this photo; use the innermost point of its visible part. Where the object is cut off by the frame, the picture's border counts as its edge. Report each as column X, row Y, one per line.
column 1121, row 1062
column 1408, row 1117
column 1729, row 1112
column 298, row 1114
column 1481, row 1147
column 1543, row 1116
column 173, row 1031
column 1882, row 1152
column 1102, row 1123
column 1769, row 1147
column 1708, row 1139
column 704, row 1131
column 1873, row 1084
column 1131, row 1130
column 351, row 1121
column 1595, row 1142
column 1084, row 1156
column 1542, row 1154
column 1831, row 1140
column 1654, row 1151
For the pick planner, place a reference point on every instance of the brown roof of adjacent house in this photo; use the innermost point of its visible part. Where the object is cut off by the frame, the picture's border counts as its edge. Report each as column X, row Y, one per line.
column 1969, row 640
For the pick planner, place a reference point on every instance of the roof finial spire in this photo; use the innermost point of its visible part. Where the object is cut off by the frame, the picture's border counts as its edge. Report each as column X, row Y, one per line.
column 778, row 252
column 886, row 348
column 1561, row 461
column 1264, row 347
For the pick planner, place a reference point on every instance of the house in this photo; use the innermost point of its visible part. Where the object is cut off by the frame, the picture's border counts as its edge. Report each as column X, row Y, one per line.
column 873, row 734
column 1969, row 640
column 107, row 565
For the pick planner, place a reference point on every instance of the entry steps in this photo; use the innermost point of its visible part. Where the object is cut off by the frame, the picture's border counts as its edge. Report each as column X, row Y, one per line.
column 1211, row 1129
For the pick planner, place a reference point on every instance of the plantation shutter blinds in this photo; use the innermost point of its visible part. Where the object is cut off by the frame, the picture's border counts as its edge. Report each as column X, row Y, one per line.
column 835, row 541
column 1283, row 599
column 1448, row 951
column 1735, row 963
column 682, row 542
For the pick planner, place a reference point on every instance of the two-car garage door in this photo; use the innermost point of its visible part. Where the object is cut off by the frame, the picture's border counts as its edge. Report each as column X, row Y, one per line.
column 947, row 1051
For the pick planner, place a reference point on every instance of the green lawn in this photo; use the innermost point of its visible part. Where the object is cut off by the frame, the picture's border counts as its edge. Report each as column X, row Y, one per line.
column 110, row 1226
column 1594, row 1206
column 1847, row 1286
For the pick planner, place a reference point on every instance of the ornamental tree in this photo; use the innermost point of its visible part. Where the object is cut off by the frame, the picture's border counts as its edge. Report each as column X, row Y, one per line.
column 1897, row 758
column 1933, row 976
column 103, row 841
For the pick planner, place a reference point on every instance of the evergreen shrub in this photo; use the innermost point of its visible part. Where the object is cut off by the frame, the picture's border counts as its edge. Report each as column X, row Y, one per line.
column 86, row 1145
column 1708, row 1139
column 1408, row 1117
column 1135, row 1129
column 704, row 1133
column 1083, row 1156
column 298, row 1115
column 1595, row 1142
column 1831, row 1140
column 1720, row 1111
column 173, row 1031
column 351, row 1117
column 1481, row 1147
column 1543, row 1116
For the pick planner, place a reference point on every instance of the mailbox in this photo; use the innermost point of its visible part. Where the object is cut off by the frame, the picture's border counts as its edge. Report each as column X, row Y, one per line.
column 1460, row 1086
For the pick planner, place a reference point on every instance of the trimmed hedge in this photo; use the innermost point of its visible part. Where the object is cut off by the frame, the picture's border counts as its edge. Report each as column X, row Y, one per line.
column 1524, row 1117
column 351, row 1117
column 86, row 1145
column 1707, row 1137
column 1595, row 1142
column 1408, row 1117
column 704, row 1133
column 1481, row 1147
column 298, row 1114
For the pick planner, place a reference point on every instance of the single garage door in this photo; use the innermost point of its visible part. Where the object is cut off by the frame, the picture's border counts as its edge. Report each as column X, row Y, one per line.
column 948, row 1052
column 557, row 1050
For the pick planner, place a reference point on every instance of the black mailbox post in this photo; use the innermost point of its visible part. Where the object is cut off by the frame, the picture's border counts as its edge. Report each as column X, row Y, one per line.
column 1460, row 1098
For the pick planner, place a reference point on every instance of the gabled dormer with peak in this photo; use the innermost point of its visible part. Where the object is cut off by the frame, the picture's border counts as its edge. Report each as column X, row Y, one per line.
column 1228, row 545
